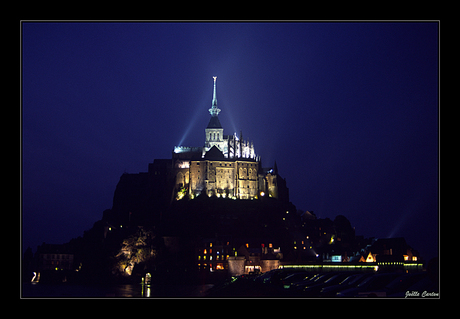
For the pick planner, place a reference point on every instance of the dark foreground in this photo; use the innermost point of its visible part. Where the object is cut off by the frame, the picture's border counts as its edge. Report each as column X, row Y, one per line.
column 65, row 290
column 280, row 283
column 289, row 283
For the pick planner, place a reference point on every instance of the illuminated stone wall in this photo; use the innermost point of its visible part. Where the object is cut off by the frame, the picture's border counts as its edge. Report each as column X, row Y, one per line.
column 215, row 136
column 268, row 265
column 272, row 185
column 216, row 175
column 236, row 265
column 238, row 179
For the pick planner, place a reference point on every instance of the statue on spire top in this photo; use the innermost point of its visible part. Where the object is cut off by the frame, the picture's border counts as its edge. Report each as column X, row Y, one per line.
column 214, row 110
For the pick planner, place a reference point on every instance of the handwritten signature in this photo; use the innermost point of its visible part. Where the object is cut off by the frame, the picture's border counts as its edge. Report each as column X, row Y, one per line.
column 424, row 294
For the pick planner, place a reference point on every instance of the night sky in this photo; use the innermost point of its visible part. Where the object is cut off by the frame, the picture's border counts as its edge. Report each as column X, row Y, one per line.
column 349, row 111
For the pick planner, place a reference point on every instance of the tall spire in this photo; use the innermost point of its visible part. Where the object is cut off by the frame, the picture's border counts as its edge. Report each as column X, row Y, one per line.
column 214, row 98
column 214, row 110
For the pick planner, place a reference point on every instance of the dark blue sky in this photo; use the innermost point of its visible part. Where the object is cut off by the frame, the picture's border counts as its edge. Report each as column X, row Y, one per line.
column 349, row 111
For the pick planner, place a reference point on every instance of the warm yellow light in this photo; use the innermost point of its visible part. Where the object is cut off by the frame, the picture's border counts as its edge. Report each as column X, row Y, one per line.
column 370, row 258
column 332, row 240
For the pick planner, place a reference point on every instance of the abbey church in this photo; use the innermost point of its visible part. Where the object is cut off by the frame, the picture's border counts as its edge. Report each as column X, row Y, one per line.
column 226, row 166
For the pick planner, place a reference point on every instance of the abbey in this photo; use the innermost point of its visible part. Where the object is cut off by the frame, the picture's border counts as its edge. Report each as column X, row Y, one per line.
column 226, row 166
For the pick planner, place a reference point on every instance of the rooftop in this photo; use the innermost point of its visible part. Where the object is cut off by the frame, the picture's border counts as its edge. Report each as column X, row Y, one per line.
column 214, row 122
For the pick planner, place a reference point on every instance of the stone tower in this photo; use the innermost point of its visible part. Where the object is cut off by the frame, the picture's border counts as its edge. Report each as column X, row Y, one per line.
column 214, row 131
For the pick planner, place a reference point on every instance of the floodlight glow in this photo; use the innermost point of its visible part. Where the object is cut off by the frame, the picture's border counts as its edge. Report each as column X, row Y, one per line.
column 191, row 123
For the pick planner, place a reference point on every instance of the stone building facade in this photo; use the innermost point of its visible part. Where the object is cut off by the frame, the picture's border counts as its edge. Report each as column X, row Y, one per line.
column 226, row 166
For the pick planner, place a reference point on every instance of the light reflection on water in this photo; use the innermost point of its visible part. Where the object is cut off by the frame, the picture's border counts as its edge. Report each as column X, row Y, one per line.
column 174, row 290
column 112, row 291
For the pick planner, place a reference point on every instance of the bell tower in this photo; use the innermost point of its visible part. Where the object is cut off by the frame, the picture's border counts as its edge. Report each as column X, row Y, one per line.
column 214, row 131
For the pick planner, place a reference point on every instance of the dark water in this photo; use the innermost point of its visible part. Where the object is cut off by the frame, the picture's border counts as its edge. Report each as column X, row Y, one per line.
column 112, row 291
